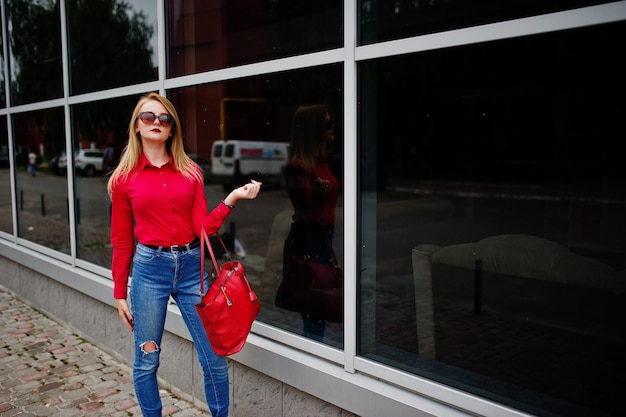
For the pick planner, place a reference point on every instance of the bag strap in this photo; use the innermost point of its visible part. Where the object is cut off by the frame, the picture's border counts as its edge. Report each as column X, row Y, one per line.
column 205, row 241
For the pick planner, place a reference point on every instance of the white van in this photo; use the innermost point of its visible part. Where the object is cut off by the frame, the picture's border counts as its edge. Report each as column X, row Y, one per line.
column 235, row 162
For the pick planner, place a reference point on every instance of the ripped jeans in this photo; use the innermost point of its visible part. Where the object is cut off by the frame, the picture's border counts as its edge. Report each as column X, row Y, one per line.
column 158, row 274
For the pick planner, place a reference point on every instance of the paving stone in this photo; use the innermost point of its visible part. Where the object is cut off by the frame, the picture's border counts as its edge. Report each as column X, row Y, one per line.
column 45, row 370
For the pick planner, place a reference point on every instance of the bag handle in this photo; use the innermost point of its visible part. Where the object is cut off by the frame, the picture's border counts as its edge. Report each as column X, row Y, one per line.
column 205, row 241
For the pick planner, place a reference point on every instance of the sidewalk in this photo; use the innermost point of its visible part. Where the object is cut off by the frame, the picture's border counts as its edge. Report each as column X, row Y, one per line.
column 45, row 370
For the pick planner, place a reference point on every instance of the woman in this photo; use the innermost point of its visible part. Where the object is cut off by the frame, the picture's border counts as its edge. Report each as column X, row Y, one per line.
column 313, row 191
column 157, row 195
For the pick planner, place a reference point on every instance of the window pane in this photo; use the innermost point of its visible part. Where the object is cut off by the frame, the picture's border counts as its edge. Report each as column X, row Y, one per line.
column 207, row 35
column 492, row 218
column 100, row 132
column 386, row 20
column 35, row 51
column 6, row 216
column 112, row 43
column 255, row 116
column 3, row 101
column 42, row 214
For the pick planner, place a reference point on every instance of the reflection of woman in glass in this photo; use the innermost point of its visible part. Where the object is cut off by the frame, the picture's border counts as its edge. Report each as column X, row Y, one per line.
column 157, row 195
column 313, row 192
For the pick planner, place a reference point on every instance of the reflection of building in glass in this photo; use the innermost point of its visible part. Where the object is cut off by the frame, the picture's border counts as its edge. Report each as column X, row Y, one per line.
column 479, row 155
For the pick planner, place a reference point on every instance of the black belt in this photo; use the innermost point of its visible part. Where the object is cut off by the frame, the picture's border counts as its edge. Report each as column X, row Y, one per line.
column 176, row 248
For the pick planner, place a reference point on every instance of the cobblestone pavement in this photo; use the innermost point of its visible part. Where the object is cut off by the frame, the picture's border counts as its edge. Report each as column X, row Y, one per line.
column 45, row 370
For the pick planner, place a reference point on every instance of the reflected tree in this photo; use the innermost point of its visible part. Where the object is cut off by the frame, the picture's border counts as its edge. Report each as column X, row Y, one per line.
column 109, row 46
column 35, row 40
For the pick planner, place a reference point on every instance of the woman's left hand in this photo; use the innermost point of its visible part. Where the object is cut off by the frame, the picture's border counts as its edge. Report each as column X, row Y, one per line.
column 248, row 191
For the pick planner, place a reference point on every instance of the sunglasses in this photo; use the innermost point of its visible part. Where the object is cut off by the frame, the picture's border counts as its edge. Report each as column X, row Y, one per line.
column 148, row 118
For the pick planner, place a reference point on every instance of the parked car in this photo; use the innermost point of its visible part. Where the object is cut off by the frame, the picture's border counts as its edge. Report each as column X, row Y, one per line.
column 205, row 166
column 111, row 158
column 4, row 159
column 21, row 159
column 53, row 164
column 87, row 162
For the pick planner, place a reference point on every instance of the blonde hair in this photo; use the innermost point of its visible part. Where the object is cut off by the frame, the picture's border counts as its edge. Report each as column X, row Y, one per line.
column 174, row 146
column 307, row 134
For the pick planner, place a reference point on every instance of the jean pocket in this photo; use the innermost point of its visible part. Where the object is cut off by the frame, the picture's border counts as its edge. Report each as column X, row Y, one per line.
column 195, row 253
column 144, row 255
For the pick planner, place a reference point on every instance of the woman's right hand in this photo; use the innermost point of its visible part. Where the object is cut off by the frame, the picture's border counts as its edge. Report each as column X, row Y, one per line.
column 125, row 314
column 245, row 192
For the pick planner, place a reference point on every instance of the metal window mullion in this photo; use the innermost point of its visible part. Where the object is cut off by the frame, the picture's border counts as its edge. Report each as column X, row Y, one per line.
column 350, row 181
column 68, row 133
column 161, row 45
column 7, row 95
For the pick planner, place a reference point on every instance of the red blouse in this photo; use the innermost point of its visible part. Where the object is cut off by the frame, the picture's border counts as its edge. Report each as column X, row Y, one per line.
column 157, row 206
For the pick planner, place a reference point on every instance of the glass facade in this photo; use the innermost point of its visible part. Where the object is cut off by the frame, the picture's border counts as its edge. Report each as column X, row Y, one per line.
column 208, row 35
column 387, row 20
column 3, row 102
column 6, row 217
column 490, row 180
column 261, row 109
column 111, row 43
column 42, row 198
column 99, row 133
column 35, row 65
column 493, row 197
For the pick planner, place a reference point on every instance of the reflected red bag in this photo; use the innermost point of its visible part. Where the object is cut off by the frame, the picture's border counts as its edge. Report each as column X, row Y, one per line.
column 229, row 307
column 312, row 288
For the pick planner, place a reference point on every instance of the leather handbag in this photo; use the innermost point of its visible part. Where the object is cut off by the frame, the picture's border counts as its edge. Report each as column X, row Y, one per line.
column 312, row 287
column 230, row 306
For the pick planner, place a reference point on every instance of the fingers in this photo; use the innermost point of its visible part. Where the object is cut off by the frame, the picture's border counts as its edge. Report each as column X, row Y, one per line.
column 128, row 321
column 251, row 189
column 125, row 314
column 248, row 192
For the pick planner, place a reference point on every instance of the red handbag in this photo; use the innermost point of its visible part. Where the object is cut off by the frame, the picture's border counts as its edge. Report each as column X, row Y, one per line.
column 229, row 307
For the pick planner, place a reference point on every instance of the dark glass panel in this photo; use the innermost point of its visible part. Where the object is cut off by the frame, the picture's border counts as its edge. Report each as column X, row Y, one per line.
column 251, row 120
column 382, row 20
column 493, row 236
column 112, row 43
column 3, row 101
column 208, row 35
column 35, row 51
column 6, row 215
column 100, row 132
column 42, row 215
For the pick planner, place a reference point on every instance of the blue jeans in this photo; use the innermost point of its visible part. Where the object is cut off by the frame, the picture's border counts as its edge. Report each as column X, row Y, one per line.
column 157, row 275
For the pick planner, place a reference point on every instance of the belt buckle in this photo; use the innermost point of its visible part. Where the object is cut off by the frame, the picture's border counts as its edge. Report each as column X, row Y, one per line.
column 175, row 248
